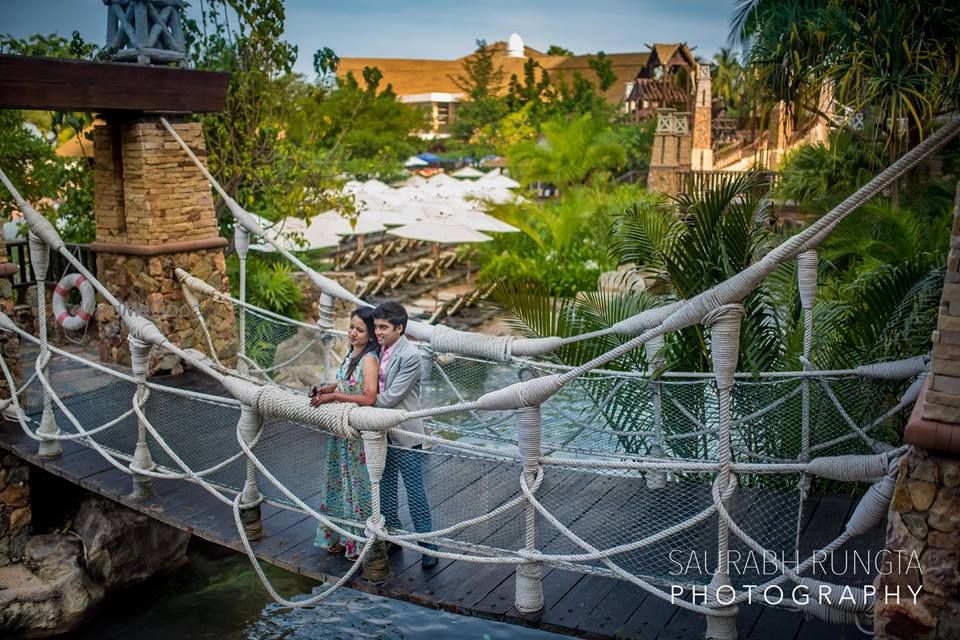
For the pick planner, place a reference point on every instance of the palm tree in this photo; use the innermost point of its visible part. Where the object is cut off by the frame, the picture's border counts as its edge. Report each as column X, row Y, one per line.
column 867, row 309
column 684, row 247
column 818, row 176
column 896, row 60
column 697, row 243
column 727, row 77
column 569, row 152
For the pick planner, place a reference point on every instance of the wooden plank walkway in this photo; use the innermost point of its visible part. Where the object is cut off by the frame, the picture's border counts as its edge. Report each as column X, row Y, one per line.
column 585, row 606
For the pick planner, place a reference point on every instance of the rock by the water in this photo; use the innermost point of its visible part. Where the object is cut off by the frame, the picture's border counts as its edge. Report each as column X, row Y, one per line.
column 51, row 592
column 302, row 360
column 124, row 546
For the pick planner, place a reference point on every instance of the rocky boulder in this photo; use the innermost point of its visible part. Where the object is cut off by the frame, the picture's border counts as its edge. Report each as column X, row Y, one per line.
column 300, row 360
column 50, row 592
column 124, row 546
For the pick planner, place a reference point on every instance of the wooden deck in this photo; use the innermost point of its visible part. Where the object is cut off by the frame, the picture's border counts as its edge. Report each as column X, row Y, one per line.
column 585, row 606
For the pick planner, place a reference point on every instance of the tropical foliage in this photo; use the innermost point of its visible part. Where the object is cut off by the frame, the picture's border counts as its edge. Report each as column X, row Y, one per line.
column 60, row 188
column 818, row 176
column 880, row 277
column 568, row 153
column 562, row 247
column 899, row 60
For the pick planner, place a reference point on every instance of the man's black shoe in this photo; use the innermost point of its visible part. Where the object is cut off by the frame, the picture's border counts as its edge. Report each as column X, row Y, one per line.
column 428, row 562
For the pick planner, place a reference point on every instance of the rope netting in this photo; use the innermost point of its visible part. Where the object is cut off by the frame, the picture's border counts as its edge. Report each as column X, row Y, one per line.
column 525, row 462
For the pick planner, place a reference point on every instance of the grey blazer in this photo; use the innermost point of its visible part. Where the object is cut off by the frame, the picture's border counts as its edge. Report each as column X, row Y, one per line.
column 402, row 388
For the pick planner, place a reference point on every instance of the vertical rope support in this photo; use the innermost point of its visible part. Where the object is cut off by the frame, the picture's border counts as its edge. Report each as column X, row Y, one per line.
column 654, row 348
column 724, row 323
column 142, row 460
column 325, row 322
column 40, row 261
column 529, row 590
column 807, row 284
column 241, row 240
column 249, row 427
column 376, row 565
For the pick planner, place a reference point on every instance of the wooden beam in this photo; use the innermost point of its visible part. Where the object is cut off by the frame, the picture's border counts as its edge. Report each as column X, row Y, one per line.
column 76, row 85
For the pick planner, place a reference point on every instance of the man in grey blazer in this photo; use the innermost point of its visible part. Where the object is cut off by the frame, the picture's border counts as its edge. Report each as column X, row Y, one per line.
column 400, row 388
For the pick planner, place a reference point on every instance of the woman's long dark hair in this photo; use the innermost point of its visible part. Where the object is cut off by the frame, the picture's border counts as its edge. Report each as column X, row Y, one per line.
column 372, row 346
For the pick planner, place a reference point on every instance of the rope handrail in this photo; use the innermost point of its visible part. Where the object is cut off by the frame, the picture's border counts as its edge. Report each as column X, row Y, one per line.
column 717, row 308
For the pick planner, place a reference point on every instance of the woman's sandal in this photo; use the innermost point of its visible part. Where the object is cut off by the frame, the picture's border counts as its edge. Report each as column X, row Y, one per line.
column 352, row 558
column 337, row 548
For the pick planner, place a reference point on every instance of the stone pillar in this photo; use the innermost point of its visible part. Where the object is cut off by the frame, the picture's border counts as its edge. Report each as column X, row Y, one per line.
column 701, row 157
column 15, row 513
column 923, row 541
column 684, row 141
column 9, row 343
column 924, row 518
column 671, row 150
column 154, row 212
column 779, row 134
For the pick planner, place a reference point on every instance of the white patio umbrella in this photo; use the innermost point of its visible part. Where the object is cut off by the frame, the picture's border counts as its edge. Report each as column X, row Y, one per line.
column 318, row 238
column 277, row 230
column 467, row 172
column 293, row 234
column 333, row 223
column 376, row 187
column 413, row 162
column 480, row 221
column 443, row 179
column 403, row 195
column 399, row 214
column 500, row 180
column 497, row 195
column 352, row 187
column 439, row 228
column 454, row 191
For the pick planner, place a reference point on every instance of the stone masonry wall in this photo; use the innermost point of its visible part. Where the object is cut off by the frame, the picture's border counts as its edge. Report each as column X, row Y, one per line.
column 702, row 154
column 15, row 514
column 924, row 516
column 147, row 285
column 154, row 213
column 924, row 520
column 942, row 401
column 9, row 343
column 147, row 191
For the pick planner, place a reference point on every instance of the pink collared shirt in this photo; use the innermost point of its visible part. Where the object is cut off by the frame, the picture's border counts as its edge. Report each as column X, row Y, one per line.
column 384, row 359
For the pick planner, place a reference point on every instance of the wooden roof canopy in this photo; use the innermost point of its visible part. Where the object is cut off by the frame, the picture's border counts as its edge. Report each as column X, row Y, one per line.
column 76, row 85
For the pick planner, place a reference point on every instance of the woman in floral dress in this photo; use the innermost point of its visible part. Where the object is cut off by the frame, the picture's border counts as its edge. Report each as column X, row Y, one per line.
column 345, row 492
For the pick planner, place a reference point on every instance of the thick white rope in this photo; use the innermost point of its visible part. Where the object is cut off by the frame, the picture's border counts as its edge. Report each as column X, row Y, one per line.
column 534, row 392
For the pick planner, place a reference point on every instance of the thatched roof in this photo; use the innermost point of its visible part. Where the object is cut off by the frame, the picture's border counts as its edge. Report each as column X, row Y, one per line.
column 669, row 54
column 624, row 65
column 410, row 76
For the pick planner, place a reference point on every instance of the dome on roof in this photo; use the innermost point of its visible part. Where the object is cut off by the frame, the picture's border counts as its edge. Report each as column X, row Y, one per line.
column 515, row 46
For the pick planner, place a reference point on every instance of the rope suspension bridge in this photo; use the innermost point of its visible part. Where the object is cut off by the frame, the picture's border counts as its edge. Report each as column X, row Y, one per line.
column 557, row 476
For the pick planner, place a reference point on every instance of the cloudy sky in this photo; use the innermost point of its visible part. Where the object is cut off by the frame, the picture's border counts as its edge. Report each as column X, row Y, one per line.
column 434, row 28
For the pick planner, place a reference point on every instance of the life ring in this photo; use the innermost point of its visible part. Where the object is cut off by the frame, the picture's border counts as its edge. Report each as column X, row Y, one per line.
column 88, row 301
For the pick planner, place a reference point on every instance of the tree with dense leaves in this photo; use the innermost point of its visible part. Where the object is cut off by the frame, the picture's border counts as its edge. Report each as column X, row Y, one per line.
column 603, row 67
column 897, row 60
column 571, row 151
column 60, row 188
column 481, row 80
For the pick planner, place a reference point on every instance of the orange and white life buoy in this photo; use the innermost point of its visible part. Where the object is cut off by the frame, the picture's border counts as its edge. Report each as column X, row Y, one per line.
column 88, row 301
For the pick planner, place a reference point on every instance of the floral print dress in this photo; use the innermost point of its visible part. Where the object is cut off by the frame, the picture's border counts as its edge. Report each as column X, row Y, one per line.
column 345, row 491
